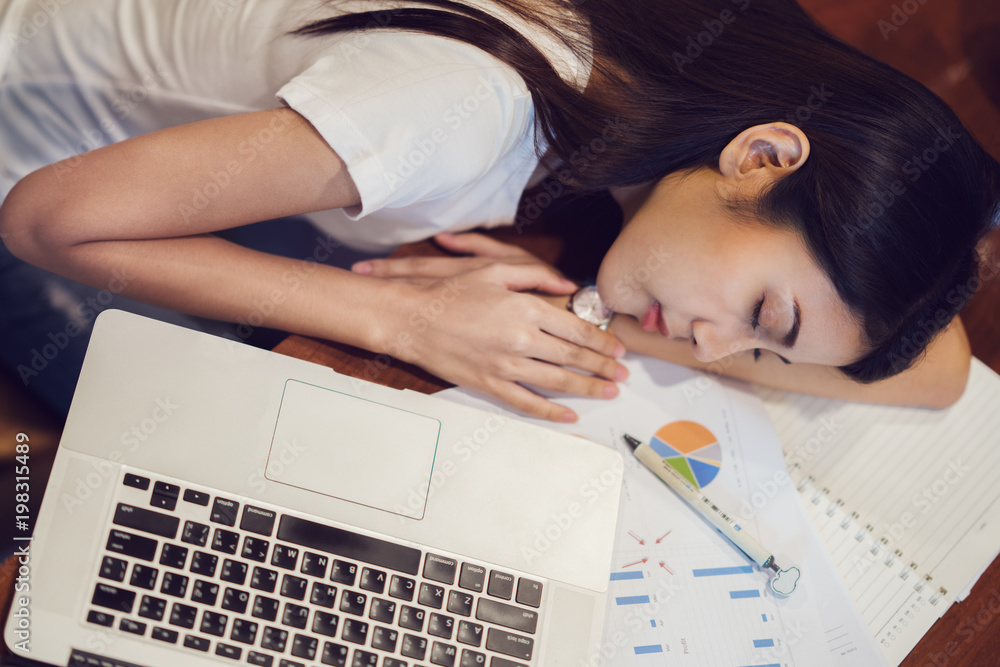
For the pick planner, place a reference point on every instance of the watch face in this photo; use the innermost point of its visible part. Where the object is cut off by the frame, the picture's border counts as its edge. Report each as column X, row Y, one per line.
column 588, row 306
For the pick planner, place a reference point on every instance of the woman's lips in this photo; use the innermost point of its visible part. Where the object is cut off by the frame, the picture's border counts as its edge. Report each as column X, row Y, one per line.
column 653, row 319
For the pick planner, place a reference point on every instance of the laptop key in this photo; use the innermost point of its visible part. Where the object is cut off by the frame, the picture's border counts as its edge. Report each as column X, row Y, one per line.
column 507, row 615
column 508, row 643
column 183, row 615
column 323, row 595
column 195, row 533
column 197, row 643
column 112, row 597
column 273, row 639
column 224, row 511
column 304, row 647
column 143, row 576
column 343, row 572
column 353, row 603
column 255, row 548
column 473, row 577
column 264, row 579
column 472, row 659
column 470, row 633
column 411, row 618
column 501, row 585
column 165, row 495
column 150, row 607
column 295, row 616
column 136, row 481
column 325, row 623
column 214, row 623
column 402, row 587
column 334, row 654
column 259, row 659
column 285, row 556
column 228, row 651
column 146, row 520
column 431, row 595
column 132, row 627
column 364, row 659
column 100, row 618
column 443, row 654
column 173, row 556
column 113, row 568
column 196, row 497
column 174, row 584
column 529, row 592
column 440, row 625
column 258, row 520
column 382, row 610
column 244, row 631
column 164, row 635
column 372, row 580
column 460, row 603
column 440, row 568
column 314, row 564
column 233, row 572
column 290, row 663
column 235, row 600
column 355, row 631
column 129, row 544
column 294, row 587
column 265, row 608
column 205, row 592
column 384, row 639
column 204, row 563
column 225, row 541
column 414, row 647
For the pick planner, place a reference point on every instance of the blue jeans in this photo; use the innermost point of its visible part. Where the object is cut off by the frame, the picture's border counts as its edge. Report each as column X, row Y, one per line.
column 46, row 320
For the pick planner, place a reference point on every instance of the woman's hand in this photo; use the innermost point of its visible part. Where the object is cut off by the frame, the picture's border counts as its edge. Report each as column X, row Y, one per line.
column 468, row 320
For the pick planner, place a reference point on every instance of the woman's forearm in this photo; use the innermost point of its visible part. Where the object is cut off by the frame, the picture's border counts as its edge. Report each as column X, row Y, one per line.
column 210, row 277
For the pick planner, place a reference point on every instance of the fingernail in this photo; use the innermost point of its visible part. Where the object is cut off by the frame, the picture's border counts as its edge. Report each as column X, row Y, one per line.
column 362, row 267
column 621, row 373
column 568, row 416
column 619, row 351
column 610, row 390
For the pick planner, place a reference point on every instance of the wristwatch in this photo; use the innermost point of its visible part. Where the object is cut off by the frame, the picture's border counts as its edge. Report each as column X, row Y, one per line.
column 586, row 304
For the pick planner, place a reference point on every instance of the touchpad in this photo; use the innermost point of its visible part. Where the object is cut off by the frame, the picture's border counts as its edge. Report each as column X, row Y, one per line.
column 353, row 449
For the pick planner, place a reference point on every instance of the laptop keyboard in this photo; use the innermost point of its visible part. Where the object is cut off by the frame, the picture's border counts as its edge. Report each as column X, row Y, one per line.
column 250, row 584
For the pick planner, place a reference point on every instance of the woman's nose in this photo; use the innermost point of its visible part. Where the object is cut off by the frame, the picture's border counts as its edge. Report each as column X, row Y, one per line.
column 713, row 342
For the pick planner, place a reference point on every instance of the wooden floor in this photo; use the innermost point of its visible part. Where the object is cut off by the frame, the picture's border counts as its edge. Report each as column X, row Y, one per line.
column 952, row 47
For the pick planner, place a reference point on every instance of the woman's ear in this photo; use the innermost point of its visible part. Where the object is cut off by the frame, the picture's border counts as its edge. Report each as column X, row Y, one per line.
column 771, row 151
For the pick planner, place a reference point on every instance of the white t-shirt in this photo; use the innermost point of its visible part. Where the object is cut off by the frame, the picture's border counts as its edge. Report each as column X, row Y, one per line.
column 437, row 134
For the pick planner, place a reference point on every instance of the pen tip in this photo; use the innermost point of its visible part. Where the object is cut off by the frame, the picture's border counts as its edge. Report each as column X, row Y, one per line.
column 630, row 441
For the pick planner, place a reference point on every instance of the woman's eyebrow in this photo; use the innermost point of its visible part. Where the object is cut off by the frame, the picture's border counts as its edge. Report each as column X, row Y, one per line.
column 793, row 334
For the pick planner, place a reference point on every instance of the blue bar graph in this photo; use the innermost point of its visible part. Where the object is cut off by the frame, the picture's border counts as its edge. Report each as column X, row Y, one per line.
column 738, row 595
column 622, row 576
column 632, row 599
column 763, row 617
column 763, row 643
column 720, row 571
column 652, row 648
column 770, row 664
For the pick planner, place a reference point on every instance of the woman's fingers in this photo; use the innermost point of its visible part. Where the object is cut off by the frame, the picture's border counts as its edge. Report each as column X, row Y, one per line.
column 419, row 267
column 471, row 243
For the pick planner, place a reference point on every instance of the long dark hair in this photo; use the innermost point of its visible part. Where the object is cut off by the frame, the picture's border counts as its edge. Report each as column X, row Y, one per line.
column 895, row 194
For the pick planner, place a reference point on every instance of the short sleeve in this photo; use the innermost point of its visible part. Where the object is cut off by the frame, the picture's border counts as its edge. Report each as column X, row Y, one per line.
column 415, row 117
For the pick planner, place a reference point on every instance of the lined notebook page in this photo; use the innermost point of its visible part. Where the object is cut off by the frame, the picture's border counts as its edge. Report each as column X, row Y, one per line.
column 905, row 499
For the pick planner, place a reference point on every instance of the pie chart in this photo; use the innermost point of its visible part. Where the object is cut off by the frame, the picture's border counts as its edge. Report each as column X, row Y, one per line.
column 691, row 449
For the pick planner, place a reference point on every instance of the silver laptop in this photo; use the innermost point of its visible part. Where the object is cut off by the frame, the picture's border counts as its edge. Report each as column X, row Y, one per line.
column 216, row 504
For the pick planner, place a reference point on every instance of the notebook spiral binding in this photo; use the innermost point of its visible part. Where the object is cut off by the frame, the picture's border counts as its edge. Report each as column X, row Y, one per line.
column 862, row 533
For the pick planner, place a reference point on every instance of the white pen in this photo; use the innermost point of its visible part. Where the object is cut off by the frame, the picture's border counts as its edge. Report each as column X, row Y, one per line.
column 783, row 582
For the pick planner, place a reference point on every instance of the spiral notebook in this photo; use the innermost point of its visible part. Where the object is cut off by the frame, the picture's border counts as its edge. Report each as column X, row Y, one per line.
column 905, row 499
